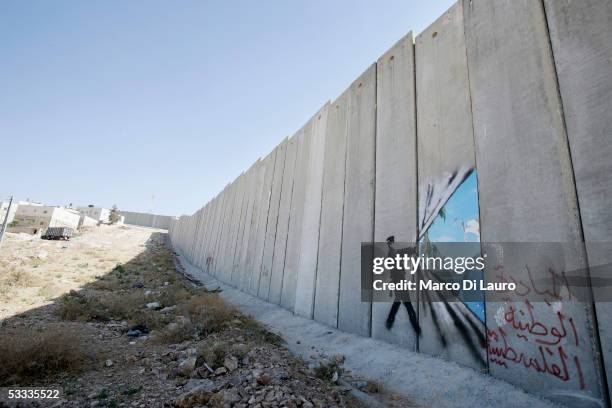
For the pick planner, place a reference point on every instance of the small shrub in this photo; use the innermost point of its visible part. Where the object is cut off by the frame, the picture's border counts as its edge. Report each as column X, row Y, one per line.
column 77, row 307
column 212, row 353
column 16, row 277
column 372, row 387
column 48, row 292
column 123, row 305
column 174, row 333
column 148, row 318
column 173, row 295
column 326, row 370
column 119, row 269
column 114, row 215
column 27, row 354
column 209, row 313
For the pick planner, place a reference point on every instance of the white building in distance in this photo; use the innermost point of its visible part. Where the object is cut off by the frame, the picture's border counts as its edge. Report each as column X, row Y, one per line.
column 4, row 206
column 36, row 218
column 97, row 213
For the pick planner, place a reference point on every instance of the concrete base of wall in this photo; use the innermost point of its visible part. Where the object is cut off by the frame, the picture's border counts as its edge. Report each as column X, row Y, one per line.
column 427, row 381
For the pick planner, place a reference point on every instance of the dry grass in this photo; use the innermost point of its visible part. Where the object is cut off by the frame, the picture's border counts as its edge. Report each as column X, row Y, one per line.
column 106, row 305
column 372, row 387
column 174, row 294
column 16, row 276
column 200, row 315
column 123, row 305
column 208, row 313
column 77, row 307
column 326, row 370
column 213, row 353
column 13, row 276
column 174, row 333
column 48, row 291
column 27, row 354
column 256, row 332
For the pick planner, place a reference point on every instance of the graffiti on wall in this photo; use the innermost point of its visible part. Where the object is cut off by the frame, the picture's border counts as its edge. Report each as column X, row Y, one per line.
column 539, row 336
column 455, row 325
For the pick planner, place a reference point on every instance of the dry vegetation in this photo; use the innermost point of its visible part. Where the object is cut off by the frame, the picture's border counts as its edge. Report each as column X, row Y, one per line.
column 116, row 325
column 121, row 295
column 29, row 353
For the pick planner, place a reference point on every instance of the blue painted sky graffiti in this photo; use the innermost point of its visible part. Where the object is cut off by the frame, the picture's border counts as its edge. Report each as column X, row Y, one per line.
column 461, row 224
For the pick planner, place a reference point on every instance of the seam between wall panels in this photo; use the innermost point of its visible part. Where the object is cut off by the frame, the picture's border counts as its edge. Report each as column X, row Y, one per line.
column 316, row 266
column 267, row 219
column 242, row 187
column 346, row 148
column 288, row 221
column 373, row 223
column 280, row 197
column 467, row 67
column 255, row 221
column 416, row 183
column 219, row 232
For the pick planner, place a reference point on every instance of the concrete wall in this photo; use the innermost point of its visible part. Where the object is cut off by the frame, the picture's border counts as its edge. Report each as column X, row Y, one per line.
column 512, row 95
column 580, row 37
column 147, row 220
column 6, row 215
column 395, row 206
column 97, row 213
column 445, row 141
column 35, row 218
column 86, row 221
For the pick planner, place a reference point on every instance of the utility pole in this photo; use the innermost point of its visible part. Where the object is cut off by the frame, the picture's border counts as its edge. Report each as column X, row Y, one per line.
column 4, row 225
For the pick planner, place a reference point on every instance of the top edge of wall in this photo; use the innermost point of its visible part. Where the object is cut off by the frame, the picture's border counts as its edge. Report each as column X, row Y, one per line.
column 455, row 8
column 406, row 39
column 355, row 83
column 140, row 212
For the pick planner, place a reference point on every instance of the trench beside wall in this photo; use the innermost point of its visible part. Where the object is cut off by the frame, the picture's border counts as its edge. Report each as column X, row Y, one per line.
column 504, row 103
column 147, row 220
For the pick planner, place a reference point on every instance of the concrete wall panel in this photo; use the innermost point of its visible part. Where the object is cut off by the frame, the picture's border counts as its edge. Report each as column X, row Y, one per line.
column 332, row 208
column 147, row 220
column 580, row 34
column 354, row 316
column 253, row 239
column 396, row 189
column 262, row 223
column 238, row 224
column 217, row 260
column 527, row 191
column 294, row 227
column 282, row 227
column 215, row 244
column 210, row 208
column 296, row 217
column 270, row 237
column 309, row 242
column 240, row 262
column 445, row 143
column 226, row 229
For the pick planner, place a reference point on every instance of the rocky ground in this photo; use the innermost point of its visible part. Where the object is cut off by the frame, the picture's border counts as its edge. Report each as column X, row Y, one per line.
column 119, row 326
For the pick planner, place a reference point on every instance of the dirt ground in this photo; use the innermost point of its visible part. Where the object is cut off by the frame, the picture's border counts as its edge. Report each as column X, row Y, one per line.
column 35, row 271
column 107, row 318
